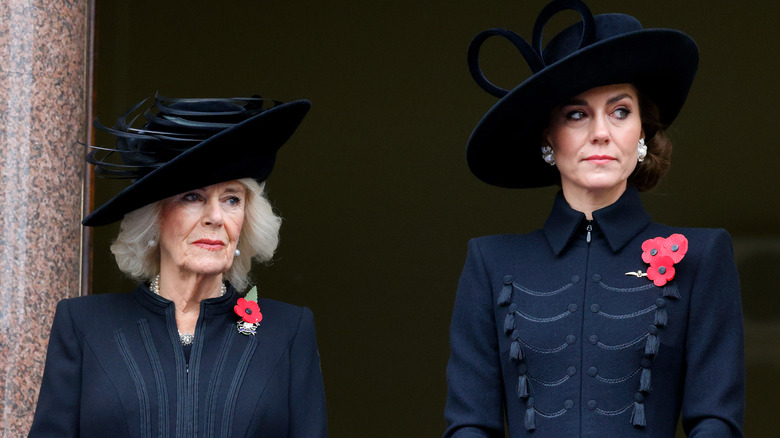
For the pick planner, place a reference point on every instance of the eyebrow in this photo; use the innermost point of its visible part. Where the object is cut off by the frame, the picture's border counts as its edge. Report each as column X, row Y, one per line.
column 611, row 100
column 619, row 97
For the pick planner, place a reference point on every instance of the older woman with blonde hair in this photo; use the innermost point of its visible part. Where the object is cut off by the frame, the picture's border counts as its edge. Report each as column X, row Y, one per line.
column 184, row 354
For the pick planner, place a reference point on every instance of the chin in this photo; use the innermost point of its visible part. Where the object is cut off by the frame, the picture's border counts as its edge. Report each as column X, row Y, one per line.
column 604, row 182
column 209, row 268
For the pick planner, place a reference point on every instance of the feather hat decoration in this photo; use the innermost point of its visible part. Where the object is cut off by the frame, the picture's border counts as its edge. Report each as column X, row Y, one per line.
column 186, row 144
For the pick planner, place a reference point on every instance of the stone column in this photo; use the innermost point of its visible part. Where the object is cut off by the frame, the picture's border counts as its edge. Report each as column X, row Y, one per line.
column 44, row 72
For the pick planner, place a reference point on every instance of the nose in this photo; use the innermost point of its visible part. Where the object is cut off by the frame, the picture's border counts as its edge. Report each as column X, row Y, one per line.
column 600, row 130
column 212, row 214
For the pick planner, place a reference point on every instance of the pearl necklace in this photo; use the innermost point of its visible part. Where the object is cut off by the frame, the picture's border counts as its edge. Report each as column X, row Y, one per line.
column 185, row 338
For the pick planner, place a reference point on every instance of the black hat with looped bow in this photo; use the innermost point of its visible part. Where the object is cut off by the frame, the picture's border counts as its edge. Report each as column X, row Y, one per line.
column 504, row 148
column 187, row 144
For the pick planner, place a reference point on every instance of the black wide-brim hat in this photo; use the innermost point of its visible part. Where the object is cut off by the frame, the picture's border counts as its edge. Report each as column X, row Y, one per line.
column 187, row 144
column 505, row 147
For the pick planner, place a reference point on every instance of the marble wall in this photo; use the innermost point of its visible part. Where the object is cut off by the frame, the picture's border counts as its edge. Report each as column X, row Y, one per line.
column 44, row 71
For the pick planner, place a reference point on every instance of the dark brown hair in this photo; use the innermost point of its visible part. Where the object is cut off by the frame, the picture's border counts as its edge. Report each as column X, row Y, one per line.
column 659, row 148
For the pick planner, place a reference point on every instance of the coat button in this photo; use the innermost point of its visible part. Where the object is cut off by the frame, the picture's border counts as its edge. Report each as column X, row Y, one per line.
column 638, row 397
column 529, row 402
column 575, row 279
column 652, row 329
column 646, row 362
column 507, row 279
column 513, row 308
column 595, row 308
column 572, row 307
column 592, row 404
column 594, row 339
column 596, row 277
column 571, row 371
column 571, row 339
column 522, row 368
column 593, row 371
column 660, row 302
column 568, row 404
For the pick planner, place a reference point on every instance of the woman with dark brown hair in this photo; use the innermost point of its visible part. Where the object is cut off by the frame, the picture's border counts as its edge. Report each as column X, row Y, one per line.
column 602, row 323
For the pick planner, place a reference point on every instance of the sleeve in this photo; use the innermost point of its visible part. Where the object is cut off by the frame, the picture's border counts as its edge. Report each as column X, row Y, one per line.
column 714, row 393
column 57, row 413
column 474, row 383
column 308, row 416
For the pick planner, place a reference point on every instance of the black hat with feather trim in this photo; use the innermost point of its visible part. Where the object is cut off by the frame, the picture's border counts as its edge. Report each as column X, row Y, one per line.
column 504, row 148
column 187, row 144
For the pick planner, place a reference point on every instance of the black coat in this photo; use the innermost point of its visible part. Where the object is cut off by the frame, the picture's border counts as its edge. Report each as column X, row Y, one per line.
column 551, row 335
column 116, row 368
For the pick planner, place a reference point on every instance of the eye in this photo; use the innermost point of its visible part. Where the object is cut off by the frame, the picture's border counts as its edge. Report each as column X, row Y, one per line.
column 622, row 113
column 190, row 197
column 234, row 201
column 575, row 115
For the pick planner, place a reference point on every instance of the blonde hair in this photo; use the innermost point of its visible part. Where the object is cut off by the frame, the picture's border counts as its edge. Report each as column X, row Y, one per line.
column 137, row 249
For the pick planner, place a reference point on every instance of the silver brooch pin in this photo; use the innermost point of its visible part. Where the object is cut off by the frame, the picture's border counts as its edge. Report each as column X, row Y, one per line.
column 637, row 274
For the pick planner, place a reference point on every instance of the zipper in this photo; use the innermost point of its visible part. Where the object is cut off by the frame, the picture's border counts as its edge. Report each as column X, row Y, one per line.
column 589, row 228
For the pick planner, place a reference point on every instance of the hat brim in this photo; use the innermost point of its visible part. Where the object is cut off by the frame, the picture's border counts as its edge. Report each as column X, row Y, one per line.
column 246, row 150
column 504, row 148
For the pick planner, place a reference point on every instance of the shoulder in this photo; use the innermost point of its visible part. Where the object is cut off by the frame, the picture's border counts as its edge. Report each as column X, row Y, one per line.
column 702, row 242
column 93, row 304
column 285, row 316
column 508, row 242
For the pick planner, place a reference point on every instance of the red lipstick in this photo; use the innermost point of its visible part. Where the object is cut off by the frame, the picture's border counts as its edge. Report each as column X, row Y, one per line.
column 600, row 159
column 209, row 244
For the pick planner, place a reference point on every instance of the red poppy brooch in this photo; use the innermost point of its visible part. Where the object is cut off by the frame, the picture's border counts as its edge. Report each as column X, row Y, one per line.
column 249, row 312
column 662, row 254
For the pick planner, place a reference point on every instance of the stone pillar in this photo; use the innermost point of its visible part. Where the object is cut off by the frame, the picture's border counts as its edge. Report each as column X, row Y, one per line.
column 44, row 72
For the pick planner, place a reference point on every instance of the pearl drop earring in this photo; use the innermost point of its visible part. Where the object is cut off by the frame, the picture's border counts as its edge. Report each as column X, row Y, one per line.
column 238, row 252
column 641, row 150
column 548, row 155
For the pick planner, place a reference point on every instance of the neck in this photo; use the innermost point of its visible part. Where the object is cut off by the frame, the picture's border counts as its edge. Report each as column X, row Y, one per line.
column 587, row 201
column 187, row 289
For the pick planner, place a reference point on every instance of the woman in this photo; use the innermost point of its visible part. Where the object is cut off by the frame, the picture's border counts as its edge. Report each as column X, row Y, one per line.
column 185, row 354
column 602, row 323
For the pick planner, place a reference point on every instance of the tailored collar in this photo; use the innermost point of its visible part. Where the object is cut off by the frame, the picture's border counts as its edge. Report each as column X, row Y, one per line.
column 157, row 304
column 618, row 222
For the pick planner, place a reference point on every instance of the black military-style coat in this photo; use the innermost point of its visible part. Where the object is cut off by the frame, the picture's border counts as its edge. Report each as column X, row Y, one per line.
column 550, row 335
column 116, row 368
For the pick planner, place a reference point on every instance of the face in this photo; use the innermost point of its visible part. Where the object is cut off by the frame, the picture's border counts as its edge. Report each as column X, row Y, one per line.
column 199, row 229
column 594, row 137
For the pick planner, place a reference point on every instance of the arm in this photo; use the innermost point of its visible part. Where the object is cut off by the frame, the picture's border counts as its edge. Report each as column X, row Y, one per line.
column 474, row 382
column 57, row 413
column 714, row 391
column 308, row 417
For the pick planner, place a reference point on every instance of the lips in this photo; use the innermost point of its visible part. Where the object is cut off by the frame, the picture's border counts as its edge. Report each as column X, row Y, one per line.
column 600, row 159
column 209, row 244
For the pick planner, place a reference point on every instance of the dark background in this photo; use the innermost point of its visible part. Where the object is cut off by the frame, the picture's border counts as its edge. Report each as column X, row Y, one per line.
column 377, row 199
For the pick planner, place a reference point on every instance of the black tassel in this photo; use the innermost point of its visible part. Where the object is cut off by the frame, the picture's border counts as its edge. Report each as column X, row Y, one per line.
column 670, row 290
column 506, row 295
column 644, row 381
column 515, row 351
column 638, row 415
column 530, row 422
column 660, row 317
column 651, row 347
column 509, row 323
column 522, row 386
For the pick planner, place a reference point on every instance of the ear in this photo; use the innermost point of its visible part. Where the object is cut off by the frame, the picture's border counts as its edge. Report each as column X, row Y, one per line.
column 546, row 138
